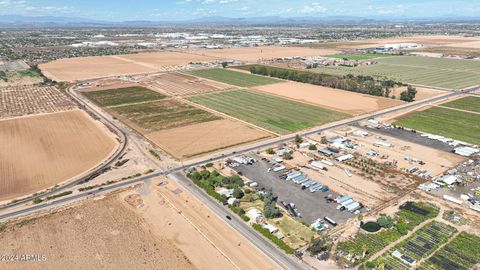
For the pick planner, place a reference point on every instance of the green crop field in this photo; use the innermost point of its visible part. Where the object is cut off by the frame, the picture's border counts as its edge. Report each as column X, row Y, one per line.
column 462, row 253
column 148, row 109
column 453, row 124
column 273, row 113
column 467, row 103
column 164, row 114
column 363, row 56
column 123, row 96
column 436, row 72
column 233, row 77
column 418, row 246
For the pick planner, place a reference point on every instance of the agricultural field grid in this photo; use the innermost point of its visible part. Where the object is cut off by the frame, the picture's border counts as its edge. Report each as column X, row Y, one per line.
column 148, row 109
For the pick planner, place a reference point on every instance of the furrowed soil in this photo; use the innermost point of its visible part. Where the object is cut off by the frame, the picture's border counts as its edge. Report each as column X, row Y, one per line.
column 40, row 151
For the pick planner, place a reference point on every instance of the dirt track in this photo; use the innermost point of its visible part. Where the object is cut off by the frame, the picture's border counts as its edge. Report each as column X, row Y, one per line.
column 40, row 151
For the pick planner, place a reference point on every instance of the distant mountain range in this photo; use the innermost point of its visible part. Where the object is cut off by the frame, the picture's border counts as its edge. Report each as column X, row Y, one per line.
column 19, row 20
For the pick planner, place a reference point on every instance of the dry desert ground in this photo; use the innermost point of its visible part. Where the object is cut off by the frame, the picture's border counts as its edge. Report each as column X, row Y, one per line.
column 40, row 151
column 152, row 227
column 335, row 99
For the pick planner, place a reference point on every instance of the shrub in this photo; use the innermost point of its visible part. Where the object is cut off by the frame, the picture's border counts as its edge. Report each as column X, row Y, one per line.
column 273, row 238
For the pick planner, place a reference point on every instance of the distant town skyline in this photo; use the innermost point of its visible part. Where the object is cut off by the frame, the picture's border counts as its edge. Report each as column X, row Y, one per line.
column 121, row 10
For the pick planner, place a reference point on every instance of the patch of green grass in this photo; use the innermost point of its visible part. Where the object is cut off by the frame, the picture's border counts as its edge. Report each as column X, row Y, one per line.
column 277, row 114
column 233, row 77
column 363, row 56
column 436, row 72
column 28, row 73
column 122, row 96
column 467, row 103
column 164, row 114
column 453, row 124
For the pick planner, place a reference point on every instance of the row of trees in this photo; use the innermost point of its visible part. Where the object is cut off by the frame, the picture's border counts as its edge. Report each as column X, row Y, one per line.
column 359, row 84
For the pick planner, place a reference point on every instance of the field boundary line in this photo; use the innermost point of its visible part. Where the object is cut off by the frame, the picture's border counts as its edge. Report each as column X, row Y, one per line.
column 456, row 109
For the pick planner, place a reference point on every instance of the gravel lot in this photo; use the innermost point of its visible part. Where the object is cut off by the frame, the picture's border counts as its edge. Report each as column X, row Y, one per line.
column 310, row 205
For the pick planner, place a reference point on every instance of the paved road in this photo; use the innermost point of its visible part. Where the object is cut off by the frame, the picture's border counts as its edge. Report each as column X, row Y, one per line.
column 265, row 245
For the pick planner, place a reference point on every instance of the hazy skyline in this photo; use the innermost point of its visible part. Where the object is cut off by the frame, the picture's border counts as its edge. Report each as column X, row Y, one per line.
column 120, row 10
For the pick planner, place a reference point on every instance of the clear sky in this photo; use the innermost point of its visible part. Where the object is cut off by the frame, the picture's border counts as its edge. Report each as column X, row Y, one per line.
column 158, row 10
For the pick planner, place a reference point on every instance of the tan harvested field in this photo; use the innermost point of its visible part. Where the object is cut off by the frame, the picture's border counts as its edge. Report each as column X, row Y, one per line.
column 86, row 68
column 23, row 100
column 179, row 84
column 95, row 235
column 339, row 100
column 254, row 54
column 193, row 140
column 40, row 151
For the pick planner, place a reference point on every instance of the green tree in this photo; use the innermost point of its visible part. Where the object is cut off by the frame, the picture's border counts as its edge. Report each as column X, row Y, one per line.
column 298, row 139
column 270, row 151
column 238, row 193
column 385, row 221
column 312, row 147
column 224, row 64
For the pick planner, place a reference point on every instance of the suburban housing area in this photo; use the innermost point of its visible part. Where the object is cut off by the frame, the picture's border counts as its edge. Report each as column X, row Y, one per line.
column 240, row 149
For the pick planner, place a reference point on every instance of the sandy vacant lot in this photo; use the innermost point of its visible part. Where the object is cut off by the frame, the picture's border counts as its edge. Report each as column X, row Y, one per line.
column 253, row 54
column 98, row 235
column 192, row 140
column 334, row 99
column 37, row 152
column 151, row 227
column 85, row 68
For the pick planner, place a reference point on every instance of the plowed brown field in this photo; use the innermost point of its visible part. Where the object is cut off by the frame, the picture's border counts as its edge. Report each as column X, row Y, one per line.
column 192, row 140
column 37, row 152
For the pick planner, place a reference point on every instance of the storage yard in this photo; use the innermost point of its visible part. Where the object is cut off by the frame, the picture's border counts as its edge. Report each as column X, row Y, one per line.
column 43, row 150
column 274, row 113
column 334, row 99
column 25, row 100
column 428, row 71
